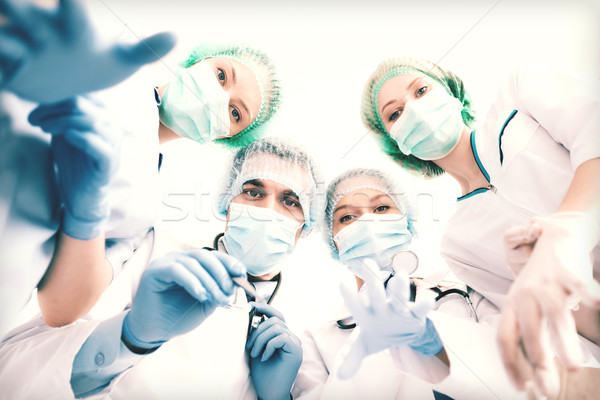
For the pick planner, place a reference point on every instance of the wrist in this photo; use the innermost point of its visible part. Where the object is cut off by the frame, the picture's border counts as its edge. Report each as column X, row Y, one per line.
column 82, row 229
column 135, row 345
column 429, row 343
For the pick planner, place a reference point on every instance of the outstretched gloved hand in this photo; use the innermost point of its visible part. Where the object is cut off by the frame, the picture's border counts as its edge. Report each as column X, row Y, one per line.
column 275, row 355
column 48, row 55
column 85, row 148
column 176, row 294
column 538, row 308
column 388, row 320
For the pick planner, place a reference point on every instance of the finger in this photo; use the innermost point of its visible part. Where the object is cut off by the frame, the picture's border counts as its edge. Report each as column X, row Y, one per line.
column 268, row 310
column 508, row 344
column 94, row 146
column 212, row 270
column 177, row 274
column 262, row 326
column 522, row 235
column 398, row 291
column 283, row 342
column 422, row 307
column 564, row 334
column 545, row 374
column 351, row 363
column 232, row 264
column 13, row 47
column 263, row 337
column 72, row 19
column 147, row 50
column 353, row 303
column 375, row 288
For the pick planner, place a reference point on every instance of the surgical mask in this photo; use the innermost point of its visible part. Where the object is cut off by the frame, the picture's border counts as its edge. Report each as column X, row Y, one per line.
column 261, row 238
column 429, row 127
column 194, row 105
column 375, row 236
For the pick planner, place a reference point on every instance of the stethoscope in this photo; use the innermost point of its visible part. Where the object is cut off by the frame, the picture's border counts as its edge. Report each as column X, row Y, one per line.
column 408, row 261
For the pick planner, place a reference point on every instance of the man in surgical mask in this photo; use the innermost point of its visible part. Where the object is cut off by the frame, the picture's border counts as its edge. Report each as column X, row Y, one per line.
column 167, row 341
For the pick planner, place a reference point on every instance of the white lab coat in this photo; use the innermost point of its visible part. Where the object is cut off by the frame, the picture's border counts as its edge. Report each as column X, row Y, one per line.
column 530, row 157
column 29, row 202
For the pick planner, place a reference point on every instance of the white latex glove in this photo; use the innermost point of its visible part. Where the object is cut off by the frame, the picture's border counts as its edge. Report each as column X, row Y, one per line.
column 518, row 244
column 537, row 312
column 388, row 320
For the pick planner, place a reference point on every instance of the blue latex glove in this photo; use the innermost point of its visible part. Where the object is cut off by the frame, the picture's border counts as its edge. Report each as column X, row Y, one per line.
column 176, row 294
column 275, row 355
column 388, row 320
column 48, row 55
column 85, row 148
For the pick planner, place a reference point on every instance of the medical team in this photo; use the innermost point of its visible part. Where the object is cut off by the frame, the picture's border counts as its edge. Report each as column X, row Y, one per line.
column 76, row 209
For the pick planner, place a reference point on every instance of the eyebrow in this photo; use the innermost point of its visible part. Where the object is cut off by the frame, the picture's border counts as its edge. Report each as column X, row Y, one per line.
column 254, row 182
column 407, row 87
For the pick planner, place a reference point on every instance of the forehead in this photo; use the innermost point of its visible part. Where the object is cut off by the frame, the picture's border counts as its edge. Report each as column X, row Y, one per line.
column 362, row 198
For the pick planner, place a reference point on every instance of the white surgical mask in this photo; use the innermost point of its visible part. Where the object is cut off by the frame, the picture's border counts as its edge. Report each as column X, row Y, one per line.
column 375, row 236
column 261, row 238
column 430, row 126
column 194, row 105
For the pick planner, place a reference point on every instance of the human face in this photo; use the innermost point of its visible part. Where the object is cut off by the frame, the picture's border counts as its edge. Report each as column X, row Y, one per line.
column 400, row 89
column 241, row 84
column 270, row 194
column 364, row 201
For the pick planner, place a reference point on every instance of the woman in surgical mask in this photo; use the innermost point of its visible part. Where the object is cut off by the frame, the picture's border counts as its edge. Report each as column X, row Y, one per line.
column 529, row 212
column 221, row 94
column 393, row 344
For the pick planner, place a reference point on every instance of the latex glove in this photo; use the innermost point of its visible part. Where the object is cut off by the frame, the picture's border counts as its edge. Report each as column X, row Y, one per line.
column 388, row 320
column 176, row 293
column 275, row 355
column 85, row 148
column 519, row 242
column 48, row 55
column 537, row 313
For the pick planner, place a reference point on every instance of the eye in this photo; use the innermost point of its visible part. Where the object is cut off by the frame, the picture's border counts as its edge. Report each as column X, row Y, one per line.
column 221, row 75
column 346, row 218
column 394, row 116
column 253, row 193
column 381, row 209
column 290, row 202
column 421, row 91
column 235, row 114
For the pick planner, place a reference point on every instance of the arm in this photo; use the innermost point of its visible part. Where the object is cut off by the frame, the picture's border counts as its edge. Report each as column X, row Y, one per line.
column 83, row 263
column 48, row 54
column 176, row 294
column 557, row 274
column 85, row 149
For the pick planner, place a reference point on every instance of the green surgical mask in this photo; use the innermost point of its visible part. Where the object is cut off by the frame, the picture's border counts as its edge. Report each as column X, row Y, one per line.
column 430, row 126
column 194, row 105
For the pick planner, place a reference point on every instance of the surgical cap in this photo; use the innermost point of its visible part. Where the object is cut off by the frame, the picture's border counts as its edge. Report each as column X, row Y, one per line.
column 279, row 161
column 370, row 114
column 268, row 81
column 363, row 178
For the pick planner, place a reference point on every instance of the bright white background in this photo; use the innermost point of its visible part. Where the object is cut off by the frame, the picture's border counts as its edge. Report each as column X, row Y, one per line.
column 325, row 51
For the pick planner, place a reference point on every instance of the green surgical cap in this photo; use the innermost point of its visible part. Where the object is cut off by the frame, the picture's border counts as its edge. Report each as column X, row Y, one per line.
column 268, row 81
column 370, row 114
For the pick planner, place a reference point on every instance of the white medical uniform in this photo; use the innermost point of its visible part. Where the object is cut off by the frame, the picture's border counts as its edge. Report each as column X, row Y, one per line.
column 403, row 373
column 29, row 200
column 543, row 124
column 207, row 362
